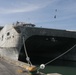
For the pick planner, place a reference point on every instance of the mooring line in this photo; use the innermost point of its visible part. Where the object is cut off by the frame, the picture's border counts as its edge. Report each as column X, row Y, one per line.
column 42, row 66
column 27, row 57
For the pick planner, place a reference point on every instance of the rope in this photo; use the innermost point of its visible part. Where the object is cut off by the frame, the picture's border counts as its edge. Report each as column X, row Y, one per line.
column 27, row 57
column 61, row 55
column 42, row 66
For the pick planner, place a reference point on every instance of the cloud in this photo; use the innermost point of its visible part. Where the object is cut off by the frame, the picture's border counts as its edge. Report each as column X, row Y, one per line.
column 25, row 6
column 16, row 10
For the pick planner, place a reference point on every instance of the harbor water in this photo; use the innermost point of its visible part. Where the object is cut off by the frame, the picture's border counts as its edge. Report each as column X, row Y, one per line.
column 61, row 67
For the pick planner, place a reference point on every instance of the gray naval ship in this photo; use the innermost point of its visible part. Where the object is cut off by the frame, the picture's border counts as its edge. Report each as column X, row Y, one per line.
column 42, row 44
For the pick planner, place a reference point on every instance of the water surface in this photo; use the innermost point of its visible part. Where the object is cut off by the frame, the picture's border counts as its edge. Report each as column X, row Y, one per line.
column 62, row 67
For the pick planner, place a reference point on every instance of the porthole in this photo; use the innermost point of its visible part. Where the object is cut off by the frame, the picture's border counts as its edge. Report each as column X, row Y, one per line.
column 13, row 36
column 8, row 33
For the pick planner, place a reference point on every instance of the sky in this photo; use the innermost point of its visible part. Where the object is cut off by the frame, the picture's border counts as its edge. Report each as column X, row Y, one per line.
column 39, row 12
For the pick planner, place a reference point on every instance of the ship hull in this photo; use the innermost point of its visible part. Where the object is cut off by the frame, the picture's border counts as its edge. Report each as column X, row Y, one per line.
column 10, row 53
column 46, row 44
column 41, row 44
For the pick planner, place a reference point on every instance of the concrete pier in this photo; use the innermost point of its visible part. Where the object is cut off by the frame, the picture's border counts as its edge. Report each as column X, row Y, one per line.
column 11, row 69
